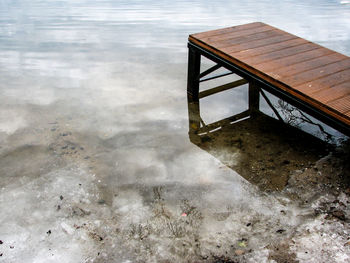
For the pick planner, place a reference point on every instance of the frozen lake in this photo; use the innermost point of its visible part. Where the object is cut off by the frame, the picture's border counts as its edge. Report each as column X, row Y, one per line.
column 95, row 160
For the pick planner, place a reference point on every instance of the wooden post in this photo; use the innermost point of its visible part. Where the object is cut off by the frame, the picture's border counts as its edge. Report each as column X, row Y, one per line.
column 254, row 98
column 194, row 62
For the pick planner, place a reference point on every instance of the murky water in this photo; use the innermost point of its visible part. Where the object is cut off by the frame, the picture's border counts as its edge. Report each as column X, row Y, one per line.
column 95, row 160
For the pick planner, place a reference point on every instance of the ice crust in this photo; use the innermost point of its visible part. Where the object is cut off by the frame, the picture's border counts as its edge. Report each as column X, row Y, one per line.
column 59, row 217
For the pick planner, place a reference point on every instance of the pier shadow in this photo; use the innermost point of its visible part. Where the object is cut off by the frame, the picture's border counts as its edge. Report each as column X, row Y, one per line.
column 263, row 150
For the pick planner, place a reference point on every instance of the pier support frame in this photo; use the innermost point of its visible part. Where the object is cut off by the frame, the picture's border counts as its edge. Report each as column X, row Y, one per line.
column 256, row 88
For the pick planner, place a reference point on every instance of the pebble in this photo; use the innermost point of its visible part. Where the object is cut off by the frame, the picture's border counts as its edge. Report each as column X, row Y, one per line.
column 66, row 228
column 242, row 244
column 239, row 252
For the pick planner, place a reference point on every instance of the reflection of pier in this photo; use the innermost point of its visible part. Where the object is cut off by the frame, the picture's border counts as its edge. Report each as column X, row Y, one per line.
column 261, row 149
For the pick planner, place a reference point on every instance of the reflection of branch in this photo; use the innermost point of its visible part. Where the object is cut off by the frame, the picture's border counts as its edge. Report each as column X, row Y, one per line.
column 308, row 120
column 288, row 111
column 295, row 117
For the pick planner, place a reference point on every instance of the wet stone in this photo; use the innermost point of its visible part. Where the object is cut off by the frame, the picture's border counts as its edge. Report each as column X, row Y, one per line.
column 339, row 214
column 285, row 162
column 101, row 202
column 65, row 134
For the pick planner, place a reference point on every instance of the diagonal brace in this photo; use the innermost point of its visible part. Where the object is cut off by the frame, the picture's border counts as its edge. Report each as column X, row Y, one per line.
column 216, row 76
column 271, row 106
column 210, row 70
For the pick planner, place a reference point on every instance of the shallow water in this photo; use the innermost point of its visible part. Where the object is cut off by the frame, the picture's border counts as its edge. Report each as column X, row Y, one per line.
column 94, row 139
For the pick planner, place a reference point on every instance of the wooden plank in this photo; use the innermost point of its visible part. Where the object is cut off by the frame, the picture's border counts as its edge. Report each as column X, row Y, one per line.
column 239, row 63
column 243, row 39
column 317, row 73
column 333, row 93
column 235, row 34
column 255, row 51
column 226, row 30
column 296, row 68
column 283, row 62
column 289, row 51
column 324, row 82
column 342, row 105
column 256, row 43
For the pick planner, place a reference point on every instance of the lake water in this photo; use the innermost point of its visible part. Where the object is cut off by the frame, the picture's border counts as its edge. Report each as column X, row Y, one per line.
column 95, row 160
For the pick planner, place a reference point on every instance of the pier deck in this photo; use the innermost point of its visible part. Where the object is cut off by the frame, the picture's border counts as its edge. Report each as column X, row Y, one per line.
column 311, row 77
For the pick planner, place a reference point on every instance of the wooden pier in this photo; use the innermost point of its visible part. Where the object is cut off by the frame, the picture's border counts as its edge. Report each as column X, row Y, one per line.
column 306, row 75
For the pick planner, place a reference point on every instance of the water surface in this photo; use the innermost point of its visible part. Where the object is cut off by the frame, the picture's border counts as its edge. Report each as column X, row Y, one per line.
column 94, row 132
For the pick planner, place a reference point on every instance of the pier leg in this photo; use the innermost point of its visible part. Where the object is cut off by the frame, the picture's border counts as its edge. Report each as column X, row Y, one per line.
column 254, row 98
column 194, row 61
